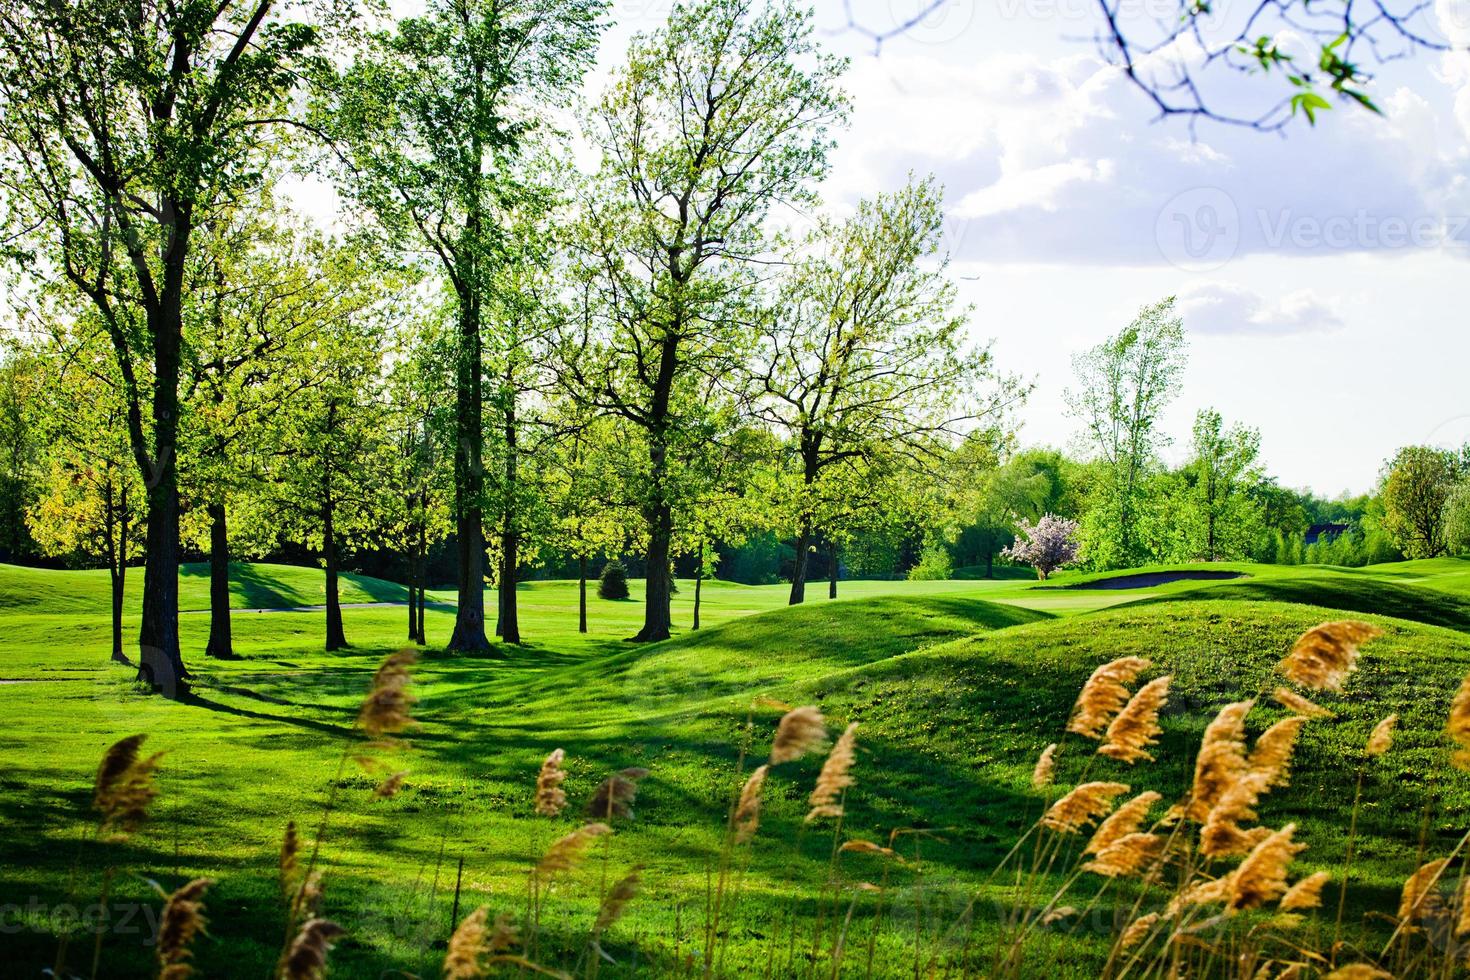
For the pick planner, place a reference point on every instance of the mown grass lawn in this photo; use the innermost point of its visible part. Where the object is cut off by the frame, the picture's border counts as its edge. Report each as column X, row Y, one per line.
column 956, row 685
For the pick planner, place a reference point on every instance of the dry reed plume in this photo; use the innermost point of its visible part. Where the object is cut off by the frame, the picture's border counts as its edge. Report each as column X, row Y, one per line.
column 1359, row 971
column 1420, row 900
column 835, row 777
column 1127, row 819
column 182, row 920
column 1221, row 759
column 866, row 847
column 615, row 795
column 1459, row 724
column 290, row 861
column 568, row 852
column 1293, row 701
column 616, row 902
column 1104, row 695
column 307, row 959
column 799, row 731
column 1261, row 877
column 1137, row 930
column 551, row 799
column 386, row 709
column 1380, row 740
column 1271, row 755
column 1046, row 765
column 473, row 941
column 465, row 958
column 124, row 786
column 1324, row 656
column 1127, row 856
column 389, row 787
column 748, row 808
column 1079, row 808
column 1222, row 834
column 1135, row 727
column 1305, row 894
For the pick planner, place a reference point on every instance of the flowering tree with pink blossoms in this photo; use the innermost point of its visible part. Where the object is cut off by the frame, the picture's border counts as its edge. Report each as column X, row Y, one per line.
column 1047, row 545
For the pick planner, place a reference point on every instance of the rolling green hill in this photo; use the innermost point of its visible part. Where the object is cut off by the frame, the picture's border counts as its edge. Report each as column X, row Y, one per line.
column 956, row 686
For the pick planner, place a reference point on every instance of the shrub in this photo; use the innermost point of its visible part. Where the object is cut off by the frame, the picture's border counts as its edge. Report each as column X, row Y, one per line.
column 934, row 564
column 613, row 582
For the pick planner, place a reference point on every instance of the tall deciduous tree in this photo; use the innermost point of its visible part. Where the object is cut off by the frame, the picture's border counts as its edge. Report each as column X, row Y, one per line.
column 1416, row 486
column 1223, row 467
column 1123, row 385
column 715, row 118
column 432, row 118
column 863, row 356
column 124, row 124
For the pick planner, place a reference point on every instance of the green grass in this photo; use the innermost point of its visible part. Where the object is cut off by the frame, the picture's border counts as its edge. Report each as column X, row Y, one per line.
column 957, row 686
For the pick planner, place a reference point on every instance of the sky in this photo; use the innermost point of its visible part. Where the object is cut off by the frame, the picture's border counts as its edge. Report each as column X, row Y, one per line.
column 1322, row 276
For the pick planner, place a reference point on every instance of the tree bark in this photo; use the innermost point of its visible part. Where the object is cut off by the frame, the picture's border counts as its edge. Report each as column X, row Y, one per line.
column 119, row 579
column 832, row 572
column 698, row 584
column 582, row 594
column 221, row 641
column 656, row 592
column 411, row 561
column 423, row 572
column 510, row 559
column 160, row 662
column 469, row 482
column 798, row 568
column 336, row 638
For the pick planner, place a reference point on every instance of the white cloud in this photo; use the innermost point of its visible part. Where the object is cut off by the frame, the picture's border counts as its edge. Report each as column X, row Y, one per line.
column 1216, row 308
column 1057, row 161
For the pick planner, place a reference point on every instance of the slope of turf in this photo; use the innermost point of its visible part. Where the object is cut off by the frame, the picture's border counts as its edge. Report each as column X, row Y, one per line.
column 955, row 696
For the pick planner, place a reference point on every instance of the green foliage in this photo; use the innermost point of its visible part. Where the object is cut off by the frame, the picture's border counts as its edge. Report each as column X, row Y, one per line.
column 612, row 582
column 1416, row 486
column 1123, row 385
column 1457, row 518
column 933, row 565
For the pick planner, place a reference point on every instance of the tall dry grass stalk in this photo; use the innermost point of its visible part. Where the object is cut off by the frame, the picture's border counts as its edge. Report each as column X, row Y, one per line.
column 475, row 946
column 124, row 786
column 1292, row 701
column 615, row 903
column 1134, row 728
column 748, row 807
column 800, row 731
column 1306, row 893
column 1271, row 755
column 551, row 799
column 182, row 920
column 1324, row 656
column 1082, row 806
column 1380, row 740
column 307, row 957
column 835, row 777
column 1104, row 695
column 388, row 707
column 1125, row 820
column 1221, row 760
column 1458, row 725
column 615, row 795
column 568, row 852
column 1046, row 767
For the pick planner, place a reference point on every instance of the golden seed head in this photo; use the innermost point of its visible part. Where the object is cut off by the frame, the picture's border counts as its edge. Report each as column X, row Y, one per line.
column 1324, row 656
column 1104, row 695
column 799, row 731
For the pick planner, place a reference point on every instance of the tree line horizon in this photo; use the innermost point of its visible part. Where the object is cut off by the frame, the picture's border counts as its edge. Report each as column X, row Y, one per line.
column 505, row 351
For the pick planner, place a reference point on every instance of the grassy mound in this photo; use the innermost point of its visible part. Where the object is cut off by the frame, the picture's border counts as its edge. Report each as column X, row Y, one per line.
column 955, row 697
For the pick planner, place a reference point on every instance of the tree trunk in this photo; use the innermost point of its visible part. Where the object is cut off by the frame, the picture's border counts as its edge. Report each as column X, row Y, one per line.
column 423, row 576
column 656, row 592
column 832, row 572
column 469, row 483
column 411, row 564
column 582, row 594
column 336, row 638
column 990, row 564
column 119, row 579
column 510, row 558
column 698, row 584
column 221, row 642
column 798, row 568
column 160, row 662
column 510, row 624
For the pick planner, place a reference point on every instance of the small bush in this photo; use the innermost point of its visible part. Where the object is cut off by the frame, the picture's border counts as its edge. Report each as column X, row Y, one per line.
column 613, row 582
